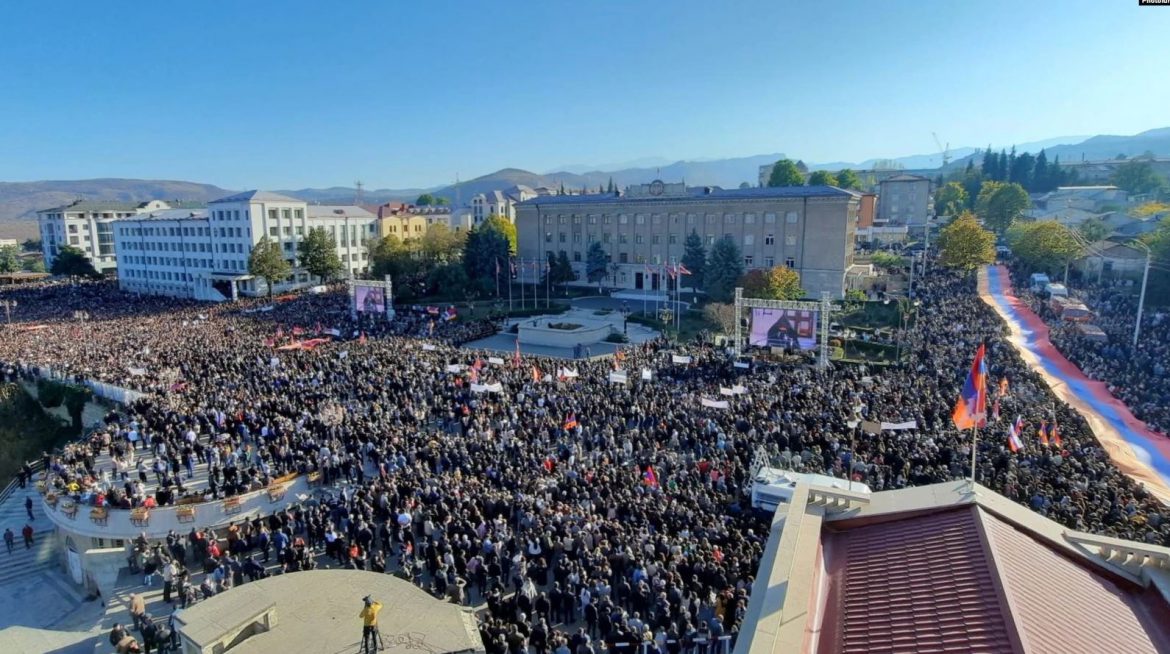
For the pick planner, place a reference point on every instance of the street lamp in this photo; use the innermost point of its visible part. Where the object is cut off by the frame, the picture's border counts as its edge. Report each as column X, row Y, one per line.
column 625, row 317
column 9, row 305
column 1137, row 325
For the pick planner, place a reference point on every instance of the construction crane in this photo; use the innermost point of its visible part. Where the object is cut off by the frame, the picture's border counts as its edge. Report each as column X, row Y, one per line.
column 946, row 149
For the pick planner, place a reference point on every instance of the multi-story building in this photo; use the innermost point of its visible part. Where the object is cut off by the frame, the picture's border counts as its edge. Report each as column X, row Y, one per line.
column 408, row 221
column 204, row 254
column 809, row 229
column 903, row 200
column 500, row 203
column 88, row 226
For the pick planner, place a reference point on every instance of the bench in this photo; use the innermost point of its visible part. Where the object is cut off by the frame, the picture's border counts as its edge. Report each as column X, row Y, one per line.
column 68, row 508
column 140, row 517
column 276, row 492
column 185, row 513
column 231, row 505
column 99, row 515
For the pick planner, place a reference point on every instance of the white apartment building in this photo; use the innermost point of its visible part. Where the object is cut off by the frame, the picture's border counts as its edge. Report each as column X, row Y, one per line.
column 204, row 254
column 500, row 203
column 88, row 226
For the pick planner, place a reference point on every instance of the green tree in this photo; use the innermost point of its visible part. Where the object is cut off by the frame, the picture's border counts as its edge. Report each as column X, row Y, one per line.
column 317, row 252
column 950, row 200
column 848, row 179
column 610, row 188
column 785, row 173
column 425, row 200
column 74, row 400
column 596, row 264
column 724, row 268
column 888, row 261
column 390, row 256
column 441, row 244
column 268, row 262
column 449, row 279
column 485, row 256
column 1093, row 230
column 778, row 283
column 564, row 270
column 822, row 178
column 9, row 259
column 502, row 226
column 36, row 265
column 965, row 245
column 72, row 262
column 1137, row 177
column 1045, row 245
column 694, row 259
column 1000, row 203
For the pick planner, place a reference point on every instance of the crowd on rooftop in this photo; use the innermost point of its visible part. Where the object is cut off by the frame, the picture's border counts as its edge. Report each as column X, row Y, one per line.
column 578, row 509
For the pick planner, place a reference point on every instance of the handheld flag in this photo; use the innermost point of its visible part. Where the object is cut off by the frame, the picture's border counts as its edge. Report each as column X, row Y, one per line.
column 516, row 357
column 1054, row 434
column 535, row 374
column 971, row 409
column 649, row 477
column 682, row 270
column 1003, row 386
column 1014, row 431
column 1043, row 433
column 571, row 422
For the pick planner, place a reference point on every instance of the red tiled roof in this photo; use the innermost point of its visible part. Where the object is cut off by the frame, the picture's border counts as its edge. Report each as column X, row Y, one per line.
column 923, row 584
column 1062, row 605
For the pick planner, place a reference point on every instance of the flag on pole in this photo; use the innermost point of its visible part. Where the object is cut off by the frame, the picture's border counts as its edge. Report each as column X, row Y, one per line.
column 1054, row 434
column 1014, row 441
column 571, row 422
column 682, row 270
column 671, row 271
column 516, row 356
column 1043, row 433
column 971, row 409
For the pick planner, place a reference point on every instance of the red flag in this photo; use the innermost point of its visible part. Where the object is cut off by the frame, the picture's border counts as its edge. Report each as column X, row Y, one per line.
column 478, row 365
column 571, row 422
column 650, row 478
column 1054, row 434
column 1043, row 433
column 971, row 409
column 682, row 270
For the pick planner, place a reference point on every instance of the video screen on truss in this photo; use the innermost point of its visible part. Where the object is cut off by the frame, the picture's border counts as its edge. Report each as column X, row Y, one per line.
column 370, row 299
column 790, row 328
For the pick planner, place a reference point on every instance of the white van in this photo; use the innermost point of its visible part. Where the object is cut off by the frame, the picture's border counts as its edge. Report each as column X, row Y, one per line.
column 1038, row 281
column 1056, row 290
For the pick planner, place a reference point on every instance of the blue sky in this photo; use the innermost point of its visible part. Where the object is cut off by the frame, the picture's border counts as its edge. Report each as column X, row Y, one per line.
column 400, row 94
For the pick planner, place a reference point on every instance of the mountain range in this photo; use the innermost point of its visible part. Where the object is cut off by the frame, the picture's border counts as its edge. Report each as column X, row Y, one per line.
column 19, row 201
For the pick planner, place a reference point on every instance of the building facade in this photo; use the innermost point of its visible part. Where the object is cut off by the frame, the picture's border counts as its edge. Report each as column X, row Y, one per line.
column 809, row 229
column 500, row 203
column 903, row 200
column 88, row 226
column 204, row 254
column 407, row 221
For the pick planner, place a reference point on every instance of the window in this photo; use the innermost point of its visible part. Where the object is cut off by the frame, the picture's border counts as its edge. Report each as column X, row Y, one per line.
column 563, row 220
column 623, row 257
column 656, row 239
column 288, row 231
column 576, row 256
column 299, row 213
column 640, row 219
column 657, row 219
column 749, row 239
column 710, row 219
column 791, row 217
column 548, row 237
column 623, row 219
column 605, row 237
column 606, row 219
column 790, row 241
column 576, row 219
column 638, row 239
column 592, row 220
column 623, row 238
column 749, row 261
column 271, row 214
column 561, row 237
column 728, row 219
column 770, row 218
column 769, row 262
column 285, row 214
column 673, row 239
column 690, row 219
column 749, row 219
column 577, row 237
column 770, row 239
column 300, row 231
column 790, row 262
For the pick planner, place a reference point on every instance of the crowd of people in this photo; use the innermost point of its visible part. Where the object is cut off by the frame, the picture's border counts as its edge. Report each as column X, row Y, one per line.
column 1138, row 376
column 579, row 510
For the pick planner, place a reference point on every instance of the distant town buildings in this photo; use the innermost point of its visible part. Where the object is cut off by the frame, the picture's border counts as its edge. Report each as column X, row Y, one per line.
column 903, row 200
column 407, row 221
column 1094, row 199
column 203, row 253
column 809, row 229
column 88, row 226
column 1101, row 172
column 500, row 203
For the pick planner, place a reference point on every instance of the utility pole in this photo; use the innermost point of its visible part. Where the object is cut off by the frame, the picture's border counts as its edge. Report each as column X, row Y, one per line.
column 1137, row 325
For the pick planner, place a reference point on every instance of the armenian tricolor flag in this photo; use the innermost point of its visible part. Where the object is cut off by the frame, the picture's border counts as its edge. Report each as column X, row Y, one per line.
column 971, row 409
column 1014, row 441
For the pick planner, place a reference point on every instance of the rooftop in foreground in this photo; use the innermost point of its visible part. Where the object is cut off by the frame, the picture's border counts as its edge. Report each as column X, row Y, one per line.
column 943, row 569
column 316, row 612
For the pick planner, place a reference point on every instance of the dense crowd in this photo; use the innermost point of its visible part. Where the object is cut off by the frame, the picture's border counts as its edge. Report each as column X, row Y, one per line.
column 1138, row 376
column 578, row 509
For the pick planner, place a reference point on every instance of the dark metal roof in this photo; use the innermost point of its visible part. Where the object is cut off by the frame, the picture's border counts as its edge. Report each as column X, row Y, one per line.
column 699, row 193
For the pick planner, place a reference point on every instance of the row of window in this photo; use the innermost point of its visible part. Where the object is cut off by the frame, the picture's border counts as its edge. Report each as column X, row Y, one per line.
column 286, row 214
column 230, row 214
column 219, row 232
column 749, row 240
column 186, row 246
column 749, row 261
column 791, row 217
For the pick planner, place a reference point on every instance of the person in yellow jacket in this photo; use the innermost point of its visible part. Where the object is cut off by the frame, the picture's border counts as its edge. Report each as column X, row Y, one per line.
column 369, row 616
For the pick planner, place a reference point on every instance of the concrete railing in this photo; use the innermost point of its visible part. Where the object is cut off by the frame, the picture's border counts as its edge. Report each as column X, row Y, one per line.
column 101, row 522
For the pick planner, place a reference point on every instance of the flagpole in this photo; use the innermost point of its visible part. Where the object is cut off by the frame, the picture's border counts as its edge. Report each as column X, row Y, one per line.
column 521, row 284
column 974, row 448
column 510, row 267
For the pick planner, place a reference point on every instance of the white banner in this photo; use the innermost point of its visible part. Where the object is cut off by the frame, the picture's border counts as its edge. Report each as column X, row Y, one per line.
column 137, row 372
column 428, row 347
column 647, row 374
column 618, row 377
column 487, row 388
column 334, row 332
column 680, row 359
column 456, row 367
column 726, row 391
column 565, row 372
column 734, row 390
column 274, row 361
column 496, row 360
column 344, row 354
column 743, row 364
column 899, row 426
column 716, row 404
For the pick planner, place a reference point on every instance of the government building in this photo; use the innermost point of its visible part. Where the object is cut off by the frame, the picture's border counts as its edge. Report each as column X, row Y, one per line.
column 809, row 229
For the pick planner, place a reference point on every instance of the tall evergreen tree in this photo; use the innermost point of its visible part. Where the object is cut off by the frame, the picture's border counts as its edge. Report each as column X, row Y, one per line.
column 694, row 259
column 724, row 268
column 611, row 188
column 1040, row 173
column 990, row 162
column 318, row 254
column 1001, row 167
column 1022, row 170
column 596, row 264
column 1011, row 166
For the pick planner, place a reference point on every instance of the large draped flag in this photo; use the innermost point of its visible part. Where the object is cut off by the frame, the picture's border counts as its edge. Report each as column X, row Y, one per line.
column 971, row 409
